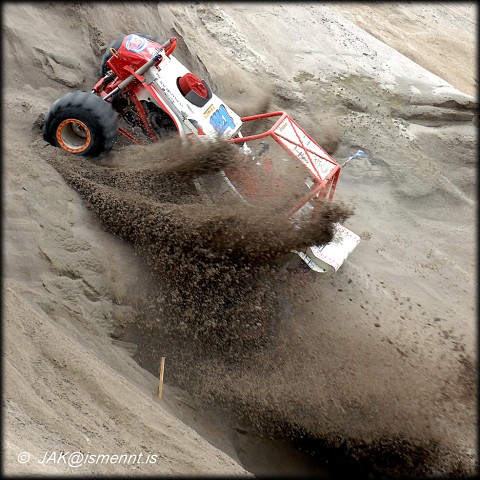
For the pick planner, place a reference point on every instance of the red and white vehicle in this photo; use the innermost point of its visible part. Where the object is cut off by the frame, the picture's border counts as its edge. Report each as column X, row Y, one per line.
column 144, row 85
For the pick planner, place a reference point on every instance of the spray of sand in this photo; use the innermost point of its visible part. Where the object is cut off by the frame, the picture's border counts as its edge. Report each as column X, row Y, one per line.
column 216, row 263
column 216, row 306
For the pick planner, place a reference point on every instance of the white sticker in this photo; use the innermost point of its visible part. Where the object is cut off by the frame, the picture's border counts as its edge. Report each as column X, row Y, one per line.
column 136, row 44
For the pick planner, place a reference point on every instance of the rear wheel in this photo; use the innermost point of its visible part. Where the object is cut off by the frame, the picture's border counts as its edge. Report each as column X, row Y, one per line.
column 160, row 121
column 82, row 124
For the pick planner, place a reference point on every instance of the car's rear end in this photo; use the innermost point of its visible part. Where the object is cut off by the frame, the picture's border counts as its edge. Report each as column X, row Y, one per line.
column 289, row 166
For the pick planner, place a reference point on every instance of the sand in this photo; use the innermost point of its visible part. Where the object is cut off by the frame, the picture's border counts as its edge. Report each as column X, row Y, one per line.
column 383, row 350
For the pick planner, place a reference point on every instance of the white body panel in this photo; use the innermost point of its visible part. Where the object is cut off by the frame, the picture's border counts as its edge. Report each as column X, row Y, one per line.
column 330, row 257
column 215, row 118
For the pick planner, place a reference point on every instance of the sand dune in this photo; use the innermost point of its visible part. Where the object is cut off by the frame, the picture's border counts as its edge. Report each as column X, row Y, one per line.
column 384, row 351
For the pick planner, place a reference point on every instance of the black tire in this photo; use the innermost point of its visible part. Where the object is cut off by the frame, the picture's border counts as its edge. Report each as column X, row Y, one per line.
column 160, row 122
column 82, row 124
column 116, row 45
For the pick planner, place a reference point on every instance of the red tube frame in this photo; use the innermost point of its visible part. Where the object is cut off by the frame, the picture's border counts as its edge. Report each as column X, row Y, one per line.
column 326, row 187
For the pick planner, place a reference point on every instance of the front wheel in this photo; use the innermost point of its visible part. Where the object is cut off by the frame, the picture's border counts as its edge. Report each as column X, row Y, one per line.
column 81, row 123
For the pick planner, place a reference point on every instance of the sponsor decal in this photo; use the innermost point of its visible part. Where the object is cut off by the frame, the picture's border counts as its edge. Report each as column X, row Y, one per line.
column 135, row 43
column 208, row 112
column 170, row 95
column 221, row 120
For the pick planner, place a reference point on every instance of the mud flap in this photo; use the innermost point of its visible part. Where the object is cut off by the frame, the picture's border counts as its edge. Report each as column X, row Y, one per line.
column 330, row 257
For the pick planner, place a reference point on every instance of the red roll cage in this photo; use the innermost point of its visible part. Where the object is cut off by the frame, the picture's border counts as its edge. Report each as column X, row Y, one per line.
column 301, row 146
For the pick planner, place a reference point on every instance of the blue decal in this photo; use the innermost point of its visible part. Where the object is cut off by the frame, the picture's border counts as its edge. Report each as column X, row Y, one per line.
column 221, row 120
column 136, row 44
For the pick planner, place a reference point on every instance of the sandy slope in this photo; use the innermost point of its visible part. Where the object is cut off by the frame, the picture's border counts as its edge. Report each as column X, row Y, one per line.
column 438, row 36
column 62, row 397
column 390, row 340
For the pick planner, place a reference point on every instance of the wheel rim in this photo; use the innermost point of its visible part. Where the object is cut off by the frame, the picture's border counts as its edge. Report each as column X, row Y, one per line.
column 73, row 135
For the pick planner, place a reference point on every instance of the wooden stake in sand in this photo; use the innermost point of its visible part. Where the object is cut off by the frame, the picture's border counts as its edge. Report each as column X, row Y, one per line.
column 160, row 385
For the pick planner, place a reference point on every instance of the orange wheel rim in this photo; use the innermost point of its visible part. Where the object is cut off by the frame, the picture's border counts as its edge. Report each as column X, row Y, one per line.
column 73, row 135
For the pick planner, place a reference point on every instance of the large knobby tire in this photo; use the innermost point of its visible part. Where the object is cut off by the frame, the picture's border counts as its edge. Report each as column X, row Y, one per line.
column 159, row 120
column 116, row 44
column 82, row 124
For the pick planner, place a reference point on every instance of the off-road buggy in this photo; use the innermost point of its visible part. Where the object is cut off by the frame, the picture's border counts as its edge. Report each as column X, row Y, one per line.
column 143, row 85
